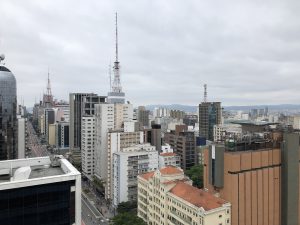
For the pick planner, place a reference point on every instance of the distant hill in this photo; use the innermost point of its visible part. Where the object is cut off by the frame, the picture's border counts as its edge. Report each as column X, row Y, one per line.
column 189, row 108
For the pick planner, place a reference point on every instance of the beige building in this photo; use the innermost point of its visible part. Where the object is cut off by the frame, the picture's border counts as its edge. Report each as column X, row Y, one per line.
column 51, row 134
column 167, row 197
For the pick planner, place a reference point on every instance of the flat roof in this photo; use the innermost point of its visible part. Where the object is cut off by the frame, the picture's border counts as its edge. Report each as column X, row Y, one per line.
column 33, row 168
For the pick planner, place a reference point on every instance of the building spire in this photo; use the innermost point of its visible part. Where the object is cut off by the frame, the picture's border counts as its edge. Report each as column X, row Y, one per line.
column 49, row 93
column 116, row 37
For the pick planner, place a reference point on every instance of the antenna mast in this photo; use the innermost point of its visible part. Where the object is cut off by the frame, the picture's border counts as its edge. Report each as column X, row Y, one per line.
column 116, row 37
column 116, row 87
column 109, row 72
column 205, row 92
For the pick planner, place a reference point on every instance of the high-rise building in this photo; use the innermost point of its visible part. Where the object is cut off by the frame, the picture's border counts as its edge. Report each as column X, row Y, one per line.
column 40, row 191
column 153, row 136
column 166, row 196
column 127, row 165
column 184, row 144
column 143, row 116
column 258, row 176
column 22, row 124
column 81, row 104
column 8, row 114
column 108, row 117
column 62, row 135
column 118, row 140
column 210, row 114
column 88, row 146
column 49, row 119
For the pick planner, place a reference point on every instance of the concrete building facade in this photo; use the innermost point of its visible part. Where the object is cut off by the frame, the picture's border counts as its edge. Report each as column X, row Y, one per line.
column 184, row 145
column 127, row 165
column 88, row 146
column 210, row 114
column 168, row 159
column 262, row 183
column 108, row 117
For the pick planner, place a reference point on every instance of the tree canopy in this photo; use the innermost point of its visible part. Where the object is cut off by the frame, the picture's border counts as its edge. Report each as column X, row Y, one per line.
column 195, row 173
column 127, row 218
column 126, row 207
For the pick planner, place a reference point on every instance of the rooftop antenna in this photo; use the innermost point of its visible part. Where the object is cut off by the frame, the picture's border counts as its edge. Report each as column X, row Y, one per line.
column 49, row 85
column 116, row 87
column 109, row 72
column 205, row 92
column 116, row 37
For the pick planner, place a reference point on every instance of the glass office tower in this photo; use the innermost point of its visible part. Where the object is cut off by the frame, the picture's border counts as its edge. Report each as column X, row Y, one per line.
column 8, row 115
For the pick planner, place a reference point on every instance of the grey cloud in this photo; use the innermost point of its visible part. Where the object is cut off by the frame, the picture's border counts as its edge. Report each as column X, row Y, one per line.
column 247, row 52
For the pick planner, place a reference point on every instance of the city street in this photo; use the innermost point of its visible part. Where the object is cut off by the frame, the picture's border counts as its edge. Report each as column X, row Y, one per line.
column 90, row 215
column 34, row 143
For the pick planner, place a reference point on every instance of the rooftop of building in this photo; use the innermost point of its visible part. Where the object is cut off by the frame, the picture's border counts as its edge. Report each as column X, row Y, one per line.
column 197, row 197
column 20, row 170
column 148, row 175
column 168, row 170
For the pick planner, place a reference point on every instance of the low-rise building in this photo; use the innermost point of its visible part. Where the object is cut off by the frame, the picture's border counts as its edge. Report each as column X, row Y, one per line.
column 166, row 196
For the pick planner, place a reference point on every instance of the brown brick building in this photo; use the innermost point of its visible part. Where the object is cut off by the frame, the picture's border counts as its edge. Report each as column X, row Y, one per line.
column 262, row 185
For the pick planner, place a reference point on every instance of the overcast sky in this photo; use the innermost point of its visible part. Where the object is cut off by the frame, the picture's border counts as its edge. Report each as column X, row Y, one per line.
column 248, row 52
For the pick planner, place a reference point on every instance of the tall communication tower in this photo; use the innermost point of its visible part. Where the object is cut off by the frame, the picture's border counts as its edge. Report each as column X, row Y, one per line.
column 116, row 87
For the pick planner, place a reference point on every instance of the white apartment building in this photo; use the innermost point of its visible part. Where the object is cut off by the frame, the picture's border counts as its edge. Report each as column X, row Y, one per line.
column 107, row 117
column 166, row 197
column 88, row 146
column 127, row 165
column 117, row 141
column 21, row 137
column 168, row 159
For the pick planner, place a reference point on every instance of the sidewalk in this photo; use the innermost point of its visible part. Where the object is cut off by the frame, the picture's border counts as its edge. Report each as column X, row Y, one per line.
column 99, row 203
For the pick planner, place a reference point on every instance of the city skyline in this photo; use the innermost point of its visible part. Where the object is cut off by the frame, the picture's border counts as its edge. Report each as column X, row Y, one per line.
column 246, row 52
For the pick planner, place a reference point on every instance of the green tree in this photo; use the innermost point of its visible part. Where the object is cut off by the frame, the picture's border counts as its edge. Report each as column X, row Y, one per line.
column 127, row 218
column 127, row 207
column 195, row 173
column 99, row 184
